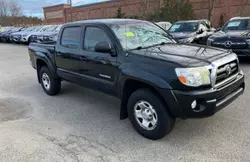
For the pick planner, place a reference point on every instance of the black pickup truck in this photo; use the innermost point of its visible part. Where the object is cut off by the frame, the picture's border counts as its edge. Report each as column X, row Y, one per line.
column 136, row 61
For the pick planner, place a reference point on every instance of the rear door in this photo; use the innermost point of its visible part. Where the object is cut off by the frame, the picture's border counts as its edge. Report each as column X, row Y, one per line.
column 99, row 70
column 67, row 57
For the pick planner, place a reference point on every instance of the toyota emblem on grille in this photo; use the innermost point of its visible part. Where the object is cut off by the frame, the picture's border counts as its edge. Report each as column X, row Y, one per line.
column 228, row 43
column 228, row 70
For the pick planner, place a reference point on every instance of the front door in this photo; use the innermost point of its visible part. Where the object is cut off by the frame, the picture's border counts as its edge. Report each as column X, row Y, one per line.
column 99, row 70
column 67, row 56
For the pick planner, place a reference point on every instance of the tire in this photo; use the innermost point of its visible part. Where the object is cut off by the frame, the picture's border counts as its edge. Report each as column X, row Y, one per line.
column 165, row 122
column 53, row 86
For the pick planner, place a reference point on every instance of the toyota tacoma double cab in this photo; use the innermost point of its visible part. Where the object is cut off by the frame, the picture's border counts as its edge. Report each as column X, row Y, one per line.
column 156, row 79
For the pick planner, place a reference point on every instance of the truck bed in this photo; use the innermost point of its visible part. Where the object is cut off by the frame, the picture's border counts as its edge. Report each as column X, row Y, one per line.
column 36, row 49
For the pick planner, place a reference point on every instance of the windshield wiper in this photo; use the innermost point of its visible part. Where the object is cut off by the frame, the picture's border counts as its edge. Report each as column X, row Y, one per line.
column 160, row 44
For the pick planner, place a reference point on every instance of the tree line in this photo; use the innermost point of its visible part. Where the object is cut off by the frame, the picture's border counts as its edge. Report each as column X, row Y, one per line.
column 11, row 15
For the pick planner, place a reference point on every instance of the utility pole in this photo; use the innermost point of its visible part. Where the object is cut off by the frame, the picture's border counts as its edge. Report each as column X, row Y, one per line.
column 70, row 3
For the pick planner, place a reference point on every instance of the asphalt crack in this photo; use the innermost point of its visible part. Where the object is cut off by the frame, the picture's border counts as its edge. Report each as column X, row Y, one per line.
column 83, row 149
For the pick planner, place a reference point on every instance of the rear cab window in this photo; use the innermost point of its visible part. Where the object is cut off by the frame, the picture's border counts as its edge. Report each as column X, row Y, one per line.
column 71, row 37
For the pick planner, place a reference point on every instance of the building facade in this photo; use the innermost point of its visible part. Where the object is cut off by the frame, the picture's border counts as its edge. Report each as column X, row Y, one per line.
column 224, row 9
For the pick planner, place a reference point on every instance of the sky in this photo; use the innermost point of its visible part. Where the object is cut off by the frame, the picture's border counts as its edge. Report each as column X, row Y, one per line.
column 34, row 7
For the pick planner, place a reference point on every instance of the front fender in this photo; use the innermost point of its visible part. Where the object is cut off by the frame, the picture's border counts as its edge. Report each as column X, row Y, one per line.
column 142, row 76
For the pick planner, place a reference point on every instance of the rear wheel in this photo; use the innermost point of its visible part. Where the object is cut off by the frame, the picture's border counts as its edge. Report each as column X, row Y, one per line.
column 49, row 84
column 148, row 114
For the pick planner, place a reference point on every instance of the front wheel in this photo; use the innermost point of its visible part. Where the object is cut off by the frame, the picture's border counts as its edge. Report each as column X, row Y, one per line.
column 49, row 84
column 148, row 115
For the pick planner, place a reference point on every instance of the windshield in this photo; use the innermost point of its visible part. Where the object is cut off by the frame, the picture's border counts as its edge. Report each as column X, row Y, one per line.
column 184, row 27
column 58, row 28
column 49, row 29
column 29, row 29
column 24, row 29
column 15, row 29
column 36, row 29
column 8, row 29
column 243, row 24
column 142, row 34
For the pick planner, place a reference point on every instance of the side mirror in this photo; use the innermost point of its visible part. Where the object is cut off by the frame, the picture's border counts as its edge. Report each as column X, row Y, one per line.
column 103, row 47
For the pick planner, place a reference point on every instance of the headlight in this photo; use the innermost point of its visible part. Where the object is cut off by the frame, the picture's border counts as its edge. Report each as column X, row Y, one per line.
column 248, row 41
column 187, row 40
column 193, row 77
column 210, row 41
column 53, row 37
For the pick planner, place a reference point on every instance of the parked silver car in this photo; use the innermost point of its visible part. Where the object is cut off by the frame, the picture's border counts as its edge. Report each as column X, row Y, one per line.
column 24, row 36
column 48, row 35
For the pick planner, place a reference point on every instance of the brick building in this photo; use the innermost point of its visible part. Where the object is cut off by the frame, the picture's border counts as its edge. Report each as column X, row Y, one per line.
column 64, row 13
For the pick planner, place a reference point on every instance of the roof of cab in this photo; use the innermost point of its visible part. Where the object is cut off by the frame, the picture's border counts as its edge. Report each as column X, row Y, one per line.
column 239, row 18
column 193, row 20
column 105, row 21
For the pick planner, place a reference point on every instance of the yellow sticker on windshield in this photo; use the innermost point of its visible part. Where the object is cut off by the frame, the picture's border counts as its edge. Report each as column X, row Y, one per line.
column 130, row 34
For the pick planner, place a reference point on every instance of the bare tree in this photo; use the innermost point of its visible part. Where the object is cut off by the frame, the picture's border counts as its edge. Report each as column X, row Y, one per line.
column 3, row 8
column 14, row 12
column 244, row 9
column 3, row 11
column 174, row 10
column 14, row 9
column 211, row 9
column 145, row 8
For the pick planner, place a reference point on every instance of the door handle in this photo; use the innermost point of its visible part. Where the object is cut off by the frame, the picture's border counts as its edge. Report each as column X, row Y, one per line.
column 83, row 58
column 59, row 53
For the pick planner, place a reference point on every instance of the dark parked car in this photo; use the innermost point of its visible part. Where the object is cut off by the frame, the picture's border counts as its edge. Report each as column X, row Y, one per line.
column 6, row 36
column 5, row 30
column 138, row 62
column 192, row 31
column 235, row 35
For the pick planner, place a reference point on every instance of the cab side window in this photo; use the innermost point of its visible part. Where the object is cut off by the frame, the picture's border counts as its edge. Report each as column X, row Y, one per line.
column 71, row 37
column 93, row 35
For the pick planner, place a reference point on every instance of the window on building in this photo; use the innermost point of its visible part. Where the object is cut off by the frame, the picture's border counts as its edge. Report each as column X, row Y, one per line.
column 94, row 35
column 71, row 37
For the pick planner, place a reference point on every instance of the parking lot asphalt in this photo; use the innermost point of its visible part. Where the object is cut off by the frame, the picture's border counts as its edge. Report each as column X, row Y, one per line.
column 83, row 125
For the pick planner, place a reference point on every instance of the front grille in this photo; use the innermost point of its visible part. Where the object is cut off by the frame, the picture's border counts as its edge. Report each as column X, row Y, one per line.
column 226, row 71
column 46, row 38
column 17, row 37
column 33, row 38
column 230, row 43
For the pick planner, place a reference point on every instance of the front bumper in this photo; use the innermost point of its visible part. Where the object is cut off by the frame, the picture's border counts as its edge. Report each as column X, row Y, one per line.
column 24, row 39
column 16, row 39
column 209, row 101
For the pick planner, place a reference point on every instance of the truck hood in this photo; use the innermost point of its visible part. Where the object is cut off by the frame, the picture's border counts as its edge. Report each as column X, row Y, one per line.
column 186, row 55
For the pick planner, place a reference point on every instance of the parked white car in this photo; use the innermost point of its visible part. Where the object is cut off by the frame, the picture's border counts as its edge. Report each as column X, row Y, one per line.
column 164, row 25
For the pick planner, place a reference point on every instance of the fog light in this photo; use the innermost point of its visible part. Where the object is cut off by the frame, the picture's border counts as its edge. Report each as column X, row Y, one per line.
column 194, row 104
